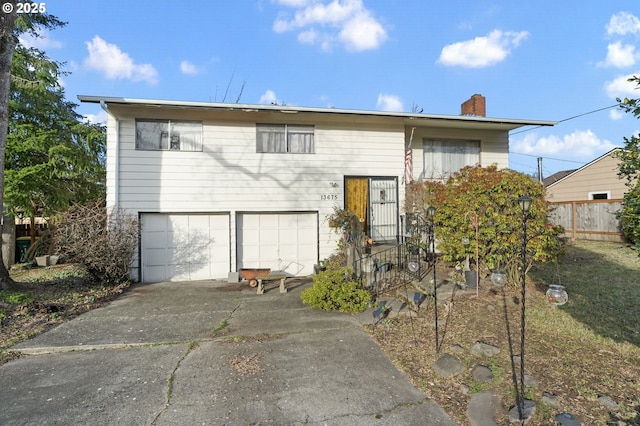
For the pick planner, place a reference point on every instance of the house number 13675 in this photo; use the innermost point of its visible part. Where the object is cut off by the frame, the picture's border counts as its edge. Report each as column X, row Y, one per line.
column 329, row 197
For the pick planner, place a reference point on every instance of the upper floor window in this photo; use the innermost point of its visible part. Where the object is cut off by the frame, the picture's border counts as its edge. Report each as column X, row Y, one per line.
column 284, row 138
column 169, row 135
column 442, row 158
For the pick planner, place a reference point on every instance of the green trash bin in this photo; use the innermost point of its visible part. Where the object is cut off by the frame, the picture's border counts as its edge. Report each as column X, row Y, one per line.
column 22, row 245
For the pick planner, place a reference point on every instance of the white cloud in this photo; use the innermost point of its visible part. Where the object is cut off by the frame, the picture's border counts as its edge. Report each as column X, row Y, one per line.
column 616, row 114
column 388, row 102
column 620, row 87
column 293, row 3
column 345, row 22
column 42, row 40
column 188, row 68
column 99, row 118
column 482, row 51
column 362, row 33
column 579, row 144
column 269, row 97
column 619, row 55
column 108, row 59
column 623, row 23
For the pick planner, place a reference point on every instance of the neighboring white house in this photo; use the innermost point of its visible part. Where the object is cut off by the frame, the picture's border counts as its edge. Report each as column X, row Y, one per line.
column 219, row 187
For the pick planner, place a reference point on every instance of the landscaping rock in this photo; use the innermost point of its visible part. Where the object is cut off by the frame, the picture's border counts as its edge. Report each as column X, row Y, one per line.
column 482, row 374
column 550, row 399
column 482, row 409
column 566, row 419
column 448, row 365
column 480, row 348
column 529, row 409
column 608, row 402
column 529, row 381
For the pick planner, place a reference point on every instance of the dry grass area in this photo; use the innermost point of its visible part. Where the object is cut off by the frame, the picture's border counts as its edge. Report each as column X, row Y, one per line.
column 45, row 297
column 581, row 351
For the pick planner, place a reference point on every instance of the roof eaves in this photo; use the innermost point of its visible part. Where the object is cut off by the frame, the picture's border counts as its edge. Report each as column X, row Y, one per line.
column 292, row 109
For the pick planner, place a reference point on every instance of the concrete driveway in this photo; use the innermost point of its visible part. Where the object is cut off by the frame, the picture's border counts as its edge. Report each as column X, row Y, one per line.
column 209, row 353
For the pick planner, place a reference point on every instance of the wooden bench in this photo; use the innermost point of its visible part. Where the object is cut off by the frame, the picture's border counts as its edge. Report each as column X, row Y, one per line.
column 272, row 277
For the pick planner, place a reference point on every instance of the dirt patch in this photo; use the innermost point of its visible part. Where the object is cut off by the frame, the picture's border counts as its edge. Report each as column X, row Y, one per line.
column 55, row 294
column 574, row 364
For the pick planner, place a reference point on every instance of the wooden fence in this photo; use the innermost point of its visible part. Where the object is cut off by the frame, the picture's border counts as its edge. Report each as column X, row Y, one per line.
column 588, row 220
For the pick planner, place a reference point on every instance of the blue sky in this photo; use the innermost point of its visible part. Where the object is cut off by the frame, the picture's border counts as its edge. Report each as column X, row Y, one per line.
column 538, row 60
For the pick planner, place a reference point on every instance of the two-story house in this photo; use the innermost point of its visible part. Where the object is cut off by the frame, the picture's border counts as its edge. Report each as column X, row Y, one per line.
column 218, row 187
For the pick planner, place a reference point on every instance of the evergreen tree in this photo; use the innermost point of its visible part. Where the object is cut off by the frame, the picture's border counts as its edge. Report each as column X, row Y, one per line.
column 53, row 159
column 629, row 168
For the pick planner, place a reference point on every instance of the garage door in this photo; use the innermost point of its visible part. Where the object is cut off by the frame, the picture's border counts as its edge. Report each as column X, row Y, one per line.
column 279, row 241
column 184, row 247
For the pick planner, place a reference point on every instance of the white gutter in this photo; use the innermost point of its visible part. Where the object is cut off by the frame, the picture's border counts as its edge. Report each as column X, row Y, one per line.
column 116, row 171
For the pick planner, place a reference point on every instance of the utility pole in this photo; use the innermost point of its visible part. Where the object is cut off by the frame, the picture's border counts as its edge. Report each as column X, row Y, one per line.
column 540, row 169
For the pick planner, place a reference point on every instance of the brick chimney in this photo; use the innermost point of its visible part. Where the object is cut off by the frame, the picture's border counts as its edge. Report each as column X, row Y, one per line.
column 476, row 105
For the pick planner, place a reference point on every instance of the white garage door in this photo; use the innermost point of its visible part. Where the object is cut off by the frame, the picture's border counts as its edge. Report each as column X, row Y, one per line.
column 184, row 247
column 279, row 241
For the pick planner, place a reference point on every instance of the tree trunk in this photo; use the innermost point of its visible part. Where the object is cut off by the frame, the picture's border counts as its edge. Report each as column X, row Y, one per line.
column 8, row 42
column 8, row 240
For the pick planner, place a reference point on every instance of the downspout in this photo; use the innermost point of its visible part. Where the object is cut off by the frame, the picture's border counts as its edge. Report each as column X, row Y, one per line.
column 116, row 171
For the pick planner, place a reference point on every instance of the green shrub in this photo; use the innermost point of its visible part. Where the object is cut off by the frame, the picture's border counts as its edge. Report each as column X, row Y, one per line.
column 630, row 216
column 490, row 195
column 336, row 290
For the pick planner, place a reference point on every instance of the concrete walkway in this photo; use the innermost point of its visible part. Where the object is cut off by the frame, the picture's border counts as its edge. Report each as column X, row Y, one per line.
column 209, row 353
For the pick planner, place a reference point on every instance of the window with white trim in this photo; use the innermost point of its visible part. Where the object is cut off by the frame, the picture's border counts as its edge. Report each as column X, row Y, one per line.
column 444, row 157
column 285, row 138
column 169, row 135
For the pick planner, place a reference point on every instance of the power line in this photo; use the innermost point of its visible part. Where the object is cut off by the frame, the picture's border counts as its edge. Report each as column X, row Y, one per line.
column 570, row 118
column 547, row 158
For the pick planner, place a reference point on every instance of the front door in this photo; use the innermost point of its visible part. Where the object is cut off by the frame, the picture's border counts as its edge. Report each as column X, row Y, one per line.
column 374, row 200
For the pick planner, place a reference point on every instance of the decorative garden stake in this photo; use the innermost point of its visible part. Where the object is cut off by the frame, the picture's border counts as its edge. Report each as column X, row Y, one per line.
column 525, row 409
column 557, row 295
column 474, row 222
column 414, row 265
column 431, row 212
column 498, row 277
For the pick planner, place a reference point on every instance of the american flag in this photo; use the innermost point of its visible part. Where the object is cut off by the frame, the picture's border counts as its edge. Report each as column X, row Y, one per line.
column 408, row 160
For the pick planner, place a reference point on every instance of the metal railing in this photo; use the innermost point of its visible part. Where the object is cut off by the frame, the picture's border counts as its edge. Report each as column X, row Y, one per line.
column 393, row 265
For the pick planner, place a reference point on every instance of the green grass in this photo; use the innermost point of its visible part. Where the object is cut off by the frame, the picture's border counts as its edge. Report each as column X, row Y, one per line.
column 15, row 298
column 603, row 283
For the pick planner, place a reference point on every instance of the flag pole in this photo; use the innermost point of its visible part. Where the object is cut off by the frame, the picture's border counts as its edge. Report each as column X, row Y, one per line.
column 408, row 160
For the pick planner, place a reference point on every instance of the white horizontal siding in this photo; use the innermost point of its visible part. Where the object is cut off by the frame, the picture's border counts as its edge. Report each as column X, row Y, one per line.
column 229, row 176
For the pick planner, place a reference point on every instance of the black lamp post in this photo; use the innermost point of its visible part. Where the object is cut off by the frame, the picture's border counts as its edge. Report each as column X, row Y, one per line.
column 431, row 213
column 525, row 204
